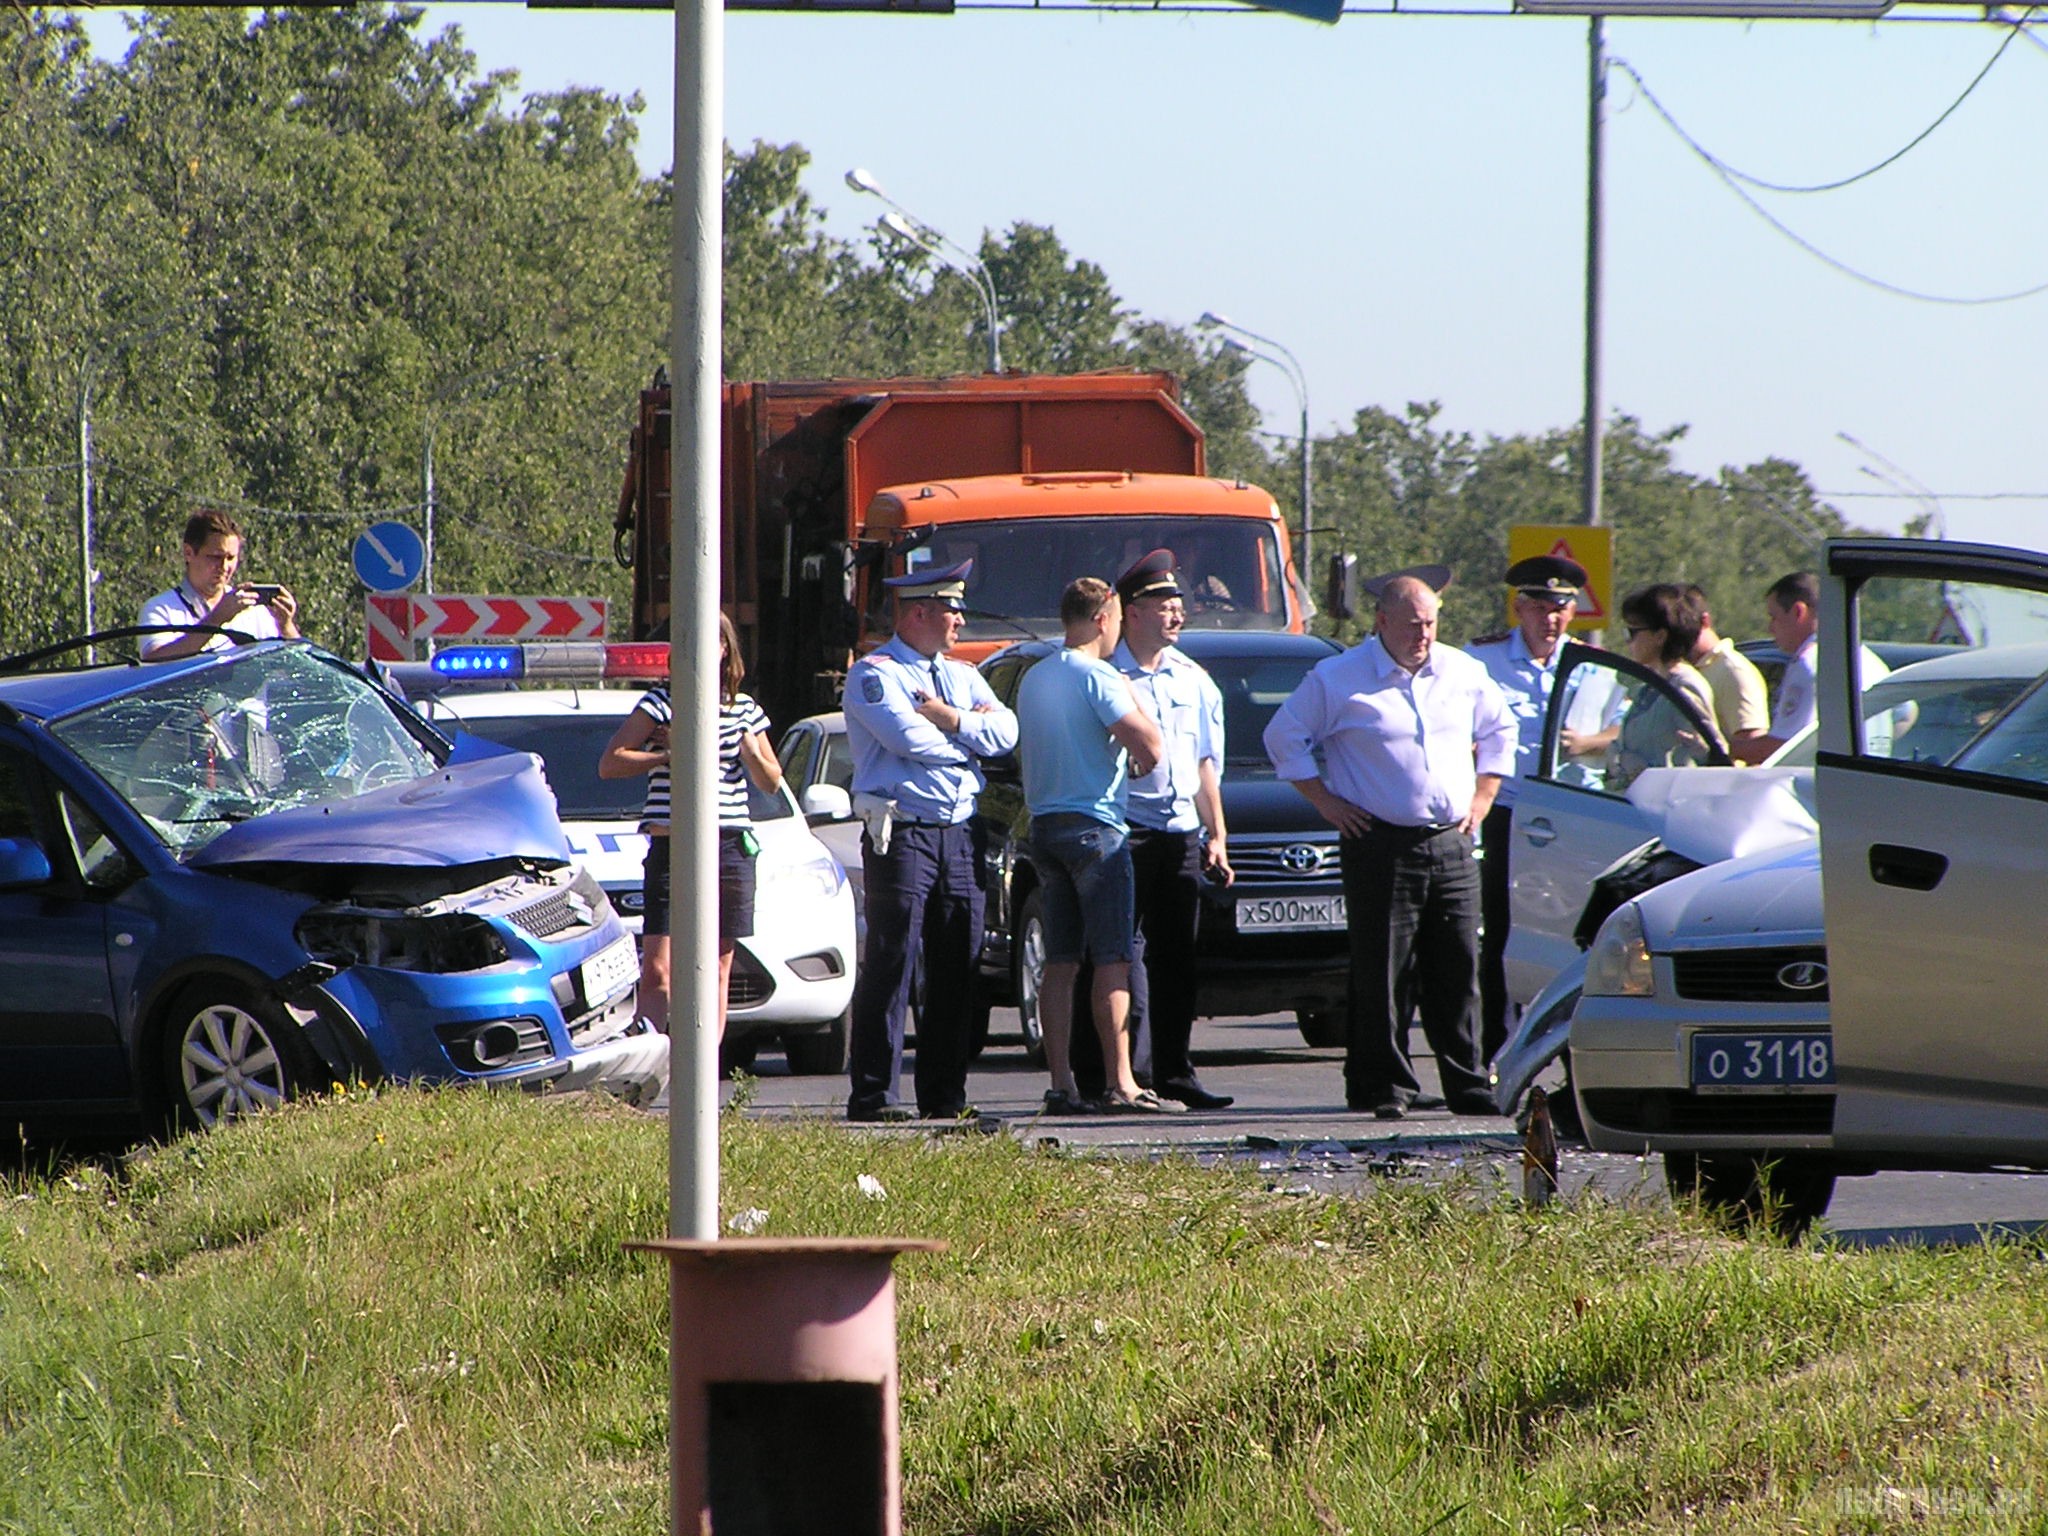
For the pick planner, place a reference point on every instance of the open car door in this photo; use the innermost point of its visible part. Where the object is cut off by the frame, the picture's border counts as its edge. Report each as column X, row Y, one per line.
column 1573, row 817
column 1934, row 861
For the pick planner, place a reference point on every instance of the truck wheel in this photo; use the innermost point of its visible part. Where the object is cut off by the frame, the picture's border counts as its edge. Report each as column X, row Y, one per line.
column 1782, row 1194
column 1323, row 1028
column 1030, row 966
column 824, row 1054
column 228, row 1053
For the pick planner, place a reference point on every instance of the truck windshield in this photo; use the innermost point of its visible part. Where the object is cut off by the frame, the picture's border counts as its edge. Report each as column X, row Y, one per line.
column 1229, row 568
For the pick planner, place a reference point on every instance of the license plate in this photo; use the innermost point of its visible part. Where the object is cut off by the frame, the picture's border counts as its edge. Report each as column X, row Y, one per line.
column 612, row 968
column 1290, row 914
column 1784, row 1061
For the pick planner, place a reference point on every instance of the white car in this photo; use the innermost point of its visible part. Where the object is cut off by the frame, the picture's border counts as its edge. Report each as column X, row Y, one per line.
column 1768, row 1031
column 793, row 979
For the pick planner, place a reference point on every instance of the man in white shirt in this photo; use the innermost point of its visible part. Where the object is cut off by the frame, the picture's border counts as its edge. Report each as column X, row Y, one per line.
column 209, row 595
column 1792, row 613
column 1415, row 741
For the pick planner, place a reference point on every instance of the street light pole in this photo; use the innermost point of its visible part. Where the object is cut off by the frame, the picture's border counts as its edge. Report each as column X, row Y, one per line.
column 1596, row 156
column 906, row 225
column 1298, row 377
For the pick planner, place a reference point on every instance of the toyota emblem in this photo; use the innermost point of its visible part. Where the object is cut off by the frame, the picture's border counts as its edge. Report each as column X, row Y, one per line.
column 1301, row 858
column 1803, row 976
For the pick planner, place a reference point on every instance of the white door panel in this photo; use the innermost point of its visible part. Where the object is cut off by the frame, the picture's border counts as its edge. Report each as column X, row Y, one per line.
column 1563, row 838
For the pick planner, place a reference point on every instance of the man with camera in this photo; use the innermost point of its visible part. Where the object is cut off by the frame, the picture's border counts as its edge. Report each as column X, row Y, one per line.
column 208, row 595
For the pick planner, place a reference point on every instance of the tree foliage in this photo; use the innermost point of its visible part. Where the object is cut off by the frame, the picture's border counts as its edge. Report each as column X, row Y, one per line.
column 280, row 258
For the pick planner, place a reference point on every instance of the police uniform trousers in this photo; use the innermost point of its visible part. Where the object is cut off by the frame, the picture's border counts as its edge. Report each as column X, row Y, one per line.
column 1495, row 834
column 923, row 896
column 1412, row 896
column 1167, row 870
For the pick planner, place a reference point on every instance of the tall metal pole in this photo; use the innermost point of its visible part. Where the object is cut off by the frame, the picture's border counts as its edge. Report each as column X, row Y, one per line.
column 427, row 503
column 1596, row 90
column 695, row 351
column 1307, row 513
column 85, row 506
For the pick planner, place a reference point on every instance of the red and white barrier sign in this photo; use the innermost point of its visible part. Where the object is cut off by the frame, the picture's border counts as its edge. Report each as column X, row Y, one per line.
column 399, row 622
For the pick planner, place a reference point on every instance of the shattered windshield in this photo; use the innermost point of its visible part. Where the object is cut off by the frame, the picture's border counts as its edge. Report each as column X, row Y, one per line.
column 265, row 731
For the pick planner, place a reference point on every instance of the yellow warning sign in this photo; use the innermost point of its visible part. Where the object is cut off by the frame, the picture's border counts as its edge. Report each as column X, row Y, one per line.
column 1593, row 548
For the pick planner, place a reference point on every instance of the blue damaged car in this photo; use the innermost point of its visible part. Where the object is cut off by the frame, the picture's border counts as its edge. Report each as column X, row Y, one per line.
column 232, row 878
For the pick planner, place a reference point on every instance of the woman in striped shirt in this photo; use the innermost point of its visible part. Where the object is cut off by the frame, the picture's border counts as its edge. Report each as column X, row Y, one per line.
column 639, row 746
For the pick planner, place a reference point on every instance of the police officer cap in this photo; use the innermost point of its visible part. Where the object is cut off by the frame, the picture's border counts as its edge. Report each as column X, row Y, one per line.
column 1547, row 576
column 1150, row 576
column 1435, row 577
column 947, row 586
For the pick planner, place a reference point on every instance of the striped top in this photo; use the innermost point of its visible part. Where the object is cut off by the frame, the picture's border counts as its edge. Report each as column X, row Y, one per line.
column 736, row 719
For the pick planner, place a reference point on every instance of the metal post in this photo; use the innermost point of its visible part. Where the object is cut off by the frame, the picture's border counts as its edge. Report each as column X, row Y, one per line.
column 695, row 351
column 85, row 506
column 1307, row 513
column 1596, row 90
column 427, row 504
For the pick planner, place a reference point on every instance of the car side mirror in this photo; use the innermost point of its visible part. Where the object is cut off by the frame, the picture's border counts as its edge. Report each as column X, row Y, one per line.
column 22, row 863
column 826, row 802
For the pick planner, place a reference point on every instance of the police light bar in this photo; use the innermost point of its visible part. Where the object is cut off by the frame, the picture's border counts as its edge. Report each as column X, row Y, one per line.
column 564, row 660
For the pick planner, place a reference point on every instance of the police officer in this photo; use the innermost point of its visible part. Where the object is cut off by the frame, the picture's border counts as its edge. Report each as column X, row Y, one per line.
column 917, row 723
column 1176, row 815
column 1523, row 662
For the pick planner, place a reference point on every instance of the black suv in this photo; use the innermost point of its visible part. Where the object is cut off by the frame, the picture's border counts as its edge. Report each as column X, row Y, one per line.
column 1275, row 940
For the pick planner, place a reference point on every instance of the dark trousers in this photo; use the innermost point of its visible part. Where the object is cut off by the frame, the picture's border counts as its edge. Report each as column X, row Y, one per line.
column 924, row 894
column 1411, row 895
column 1493, row 931
column 1167, row 867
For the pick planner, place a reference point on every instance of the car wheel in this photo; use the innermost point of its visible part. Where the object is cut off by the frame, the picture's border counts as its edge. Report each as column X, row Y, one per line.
column 1323, row 1028
column 228, row 1054
column 820, row 1055
column 1781, row 1194
column 1030, row 976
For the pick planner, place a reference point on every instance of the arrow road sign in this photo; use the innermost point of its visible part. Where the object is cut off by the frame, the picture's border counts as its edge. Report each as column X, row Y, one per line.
column 389, row 557
column 397, row 623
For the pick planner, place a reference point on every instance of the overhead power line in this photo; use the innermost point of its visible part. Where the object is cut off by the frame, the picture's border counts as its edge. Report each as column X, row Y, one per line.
column 1728, row 179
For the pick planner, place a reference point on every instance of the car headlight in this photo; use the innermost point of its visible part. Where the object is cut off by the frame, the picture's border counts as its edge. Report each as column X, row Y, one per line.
column 1619, row 964
column 819, row 875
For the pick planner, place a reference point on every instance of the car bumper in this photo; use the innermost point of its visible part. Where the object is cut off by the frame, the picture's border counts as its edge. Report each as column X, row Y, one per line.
column 1631, row 1069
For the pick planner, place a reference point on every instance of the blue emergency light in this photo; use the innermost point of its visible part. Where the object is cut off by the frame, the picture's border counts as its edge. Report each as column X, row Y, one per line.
column 565, row 660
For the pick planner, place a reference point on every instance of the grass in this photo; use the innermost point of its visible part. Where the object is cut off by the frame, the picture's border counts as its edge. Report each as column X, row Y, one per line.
column 398, row 1312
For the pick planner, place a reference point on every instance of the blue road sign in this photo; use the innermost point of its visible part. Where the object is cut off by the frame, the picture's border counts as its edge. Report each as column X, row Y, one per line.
column 389, row 557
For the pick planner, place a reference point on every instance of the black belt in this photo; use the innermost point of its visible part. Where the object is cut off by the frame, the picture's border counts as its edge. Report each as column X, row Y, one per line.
column 1400, row 833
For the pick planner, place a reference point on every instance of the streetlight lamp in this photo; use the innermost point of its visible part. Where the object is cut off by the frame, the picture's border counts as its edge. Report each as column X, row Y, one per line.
column 446, row 393
column 905, row 225
column 1298, row 377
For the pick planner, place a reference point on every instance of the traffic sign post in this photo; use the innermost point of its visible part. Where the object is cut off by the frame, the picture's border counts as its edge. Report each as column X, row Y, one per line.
column 398, row 624
column 1592, row 548
column 388, row 557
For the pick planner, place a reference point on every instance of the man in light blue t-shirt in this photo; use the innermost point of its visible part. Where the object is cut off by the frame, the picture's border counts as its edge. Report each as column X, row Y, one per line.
column 1080, row 732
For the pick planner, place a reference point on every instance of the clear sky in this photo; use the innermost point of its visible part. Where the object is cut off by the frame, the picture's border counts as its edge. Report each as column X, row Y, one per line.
column 1401, row 200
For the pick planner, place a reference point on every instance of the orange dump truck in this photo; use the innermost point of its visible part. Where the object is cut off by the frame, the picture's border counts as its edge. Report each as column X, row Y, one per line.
column 831, row 485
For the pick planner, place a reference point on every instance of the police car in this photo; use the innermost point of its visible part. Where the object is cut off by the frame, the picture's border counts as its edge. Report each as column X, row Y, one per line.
column 792, row 981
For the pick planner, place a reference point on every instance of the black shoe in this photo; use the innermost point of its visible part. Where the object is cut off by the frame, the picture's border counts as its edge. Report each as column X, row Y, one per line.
column 1474, row 1104
column 1392, row 1109
column 1427, row 1101
column 1193, row 1094
column 881, row 1114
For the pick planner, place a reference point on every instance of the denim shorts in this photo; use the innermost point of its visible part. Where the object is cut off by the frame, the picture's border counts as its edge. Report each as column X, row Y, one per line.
column 1084, row 867
column 735, row 887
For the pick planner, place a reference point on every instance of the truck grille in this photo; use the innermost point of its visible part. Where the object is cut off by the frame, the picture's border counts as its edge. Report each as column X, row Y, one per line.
column 1752, row 975
column 576, row 910
column 1286, row 861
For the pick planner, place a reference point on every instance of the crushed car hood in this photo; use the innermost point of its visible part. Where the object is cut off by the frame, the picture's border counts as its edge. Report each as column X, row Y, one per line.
column 465, row 814
column 1712, row 814
column 1777, row 894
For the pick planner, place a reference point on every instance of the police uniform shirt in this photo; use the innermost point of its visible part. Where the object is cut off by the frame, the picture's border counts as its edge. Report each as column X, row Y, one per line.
column 1526, row 684
column 897, row 753
column 1186, row 702
column 1397, row 744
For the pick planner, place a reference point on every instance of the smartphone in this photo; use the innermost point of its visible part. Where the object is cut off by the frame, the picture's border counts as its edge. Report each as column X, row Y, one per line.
column 266, row 592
